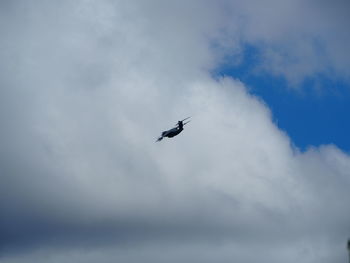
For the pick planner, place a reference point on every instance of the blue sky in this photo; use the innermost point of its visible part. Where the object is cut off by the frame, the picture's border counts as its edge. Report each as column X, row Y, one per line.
column 312, row 114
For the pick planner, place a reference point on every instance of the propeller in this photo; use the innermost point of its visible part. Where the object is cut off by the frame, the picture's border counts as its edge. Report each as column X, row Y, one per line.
column 184, row 120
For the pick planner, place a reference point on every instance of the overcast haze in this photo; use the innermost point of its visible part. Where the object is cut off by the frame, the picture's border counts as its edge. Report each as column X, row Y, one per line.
column 86, row 88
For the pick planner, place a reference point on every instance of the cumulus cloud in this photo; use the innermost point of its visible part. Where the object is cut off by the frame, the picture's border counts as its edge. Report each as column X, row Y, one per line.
column 296, row 39
column 87, row 86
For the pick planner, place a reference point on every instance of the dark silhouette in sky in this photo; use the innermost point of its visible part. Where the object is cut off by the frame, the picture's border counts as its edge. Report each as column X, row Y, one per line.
column 174, row 131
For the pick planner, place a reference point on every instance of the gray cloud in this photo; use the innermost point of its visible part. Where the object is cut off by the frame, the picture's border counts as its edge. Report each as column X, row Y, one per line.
column 85, row 89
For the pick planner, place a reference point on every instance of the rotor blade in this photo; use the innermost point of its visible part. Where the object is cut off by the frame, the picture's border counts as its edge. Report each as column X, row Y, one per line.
column 183, row 120
column 186, row 122
column 186, row 118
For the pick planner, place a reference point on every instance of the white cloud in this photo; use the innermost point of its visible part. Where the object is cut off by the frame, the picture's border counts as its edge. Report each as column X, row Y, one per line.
column 297, row 39
column 89, row 88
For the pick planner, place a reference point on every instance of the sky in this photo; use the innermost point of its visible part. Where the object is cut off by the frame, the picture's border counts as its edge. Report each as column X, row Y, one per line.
column 260, row 174
column 312, row 113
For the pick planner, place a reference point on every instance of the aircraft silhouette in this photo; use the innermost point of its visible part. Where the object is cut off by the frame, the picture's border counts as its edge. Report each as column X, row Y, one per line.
column 174, row 131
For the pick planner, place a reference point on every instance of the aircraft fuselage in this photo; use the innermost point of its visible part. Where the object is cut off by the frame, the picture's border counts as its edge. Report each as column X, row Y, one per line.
column 171, row 133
